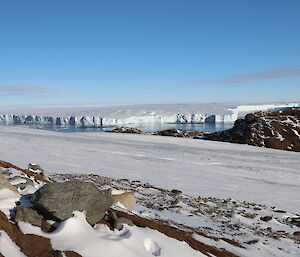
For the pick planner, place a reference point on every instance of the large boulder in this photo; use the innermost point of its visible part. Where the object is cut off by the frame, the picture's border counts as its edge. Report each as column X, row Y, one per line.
column 60, row 200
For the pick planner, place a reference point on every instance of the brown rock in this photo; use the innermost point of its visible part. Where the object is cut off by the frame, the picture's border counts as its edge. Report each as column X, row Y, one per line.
column 176, row 192
column 266, row 218
column 127, row 130
column 250, row 118
column 179, row 133
column 251, row 242
column 278, row 130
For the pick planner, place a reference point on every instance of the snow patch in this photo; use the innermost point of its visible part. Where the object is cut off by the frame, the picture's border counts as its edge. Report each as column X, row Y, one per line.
column 7, row 247
column 75, row 234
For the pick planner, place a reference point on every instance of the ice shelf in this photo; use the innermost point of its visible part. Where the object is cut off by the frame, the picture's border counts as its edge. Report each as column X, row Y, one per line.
column 230, row 115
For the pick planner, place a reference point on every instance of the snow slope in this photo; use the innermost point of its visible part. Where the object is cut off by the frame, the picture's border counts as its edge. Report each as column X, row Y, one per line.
column 112, row 115
column 196, row 167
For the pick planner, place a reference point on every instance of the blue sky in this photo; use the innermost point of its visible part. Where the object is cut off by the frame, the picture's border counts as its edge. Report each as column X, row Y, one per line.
column 148, row 51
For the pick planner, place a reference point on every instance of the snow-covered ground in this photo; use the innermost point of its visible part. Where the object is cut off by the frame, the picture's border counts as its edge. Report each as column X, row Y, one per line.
column 196, row 167
column 76, row 234
column 112, row 115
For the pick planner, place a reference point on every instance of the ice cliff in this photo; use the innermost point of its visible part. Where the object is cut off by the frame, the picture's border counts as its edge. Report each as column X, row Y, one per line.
column 229, row 115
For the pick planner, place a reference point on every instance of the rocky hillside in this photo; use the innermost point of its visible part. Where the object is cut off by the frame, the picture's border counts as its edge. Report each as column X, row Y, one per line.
column 129, row 218
column 75, row 216
column 279, row 130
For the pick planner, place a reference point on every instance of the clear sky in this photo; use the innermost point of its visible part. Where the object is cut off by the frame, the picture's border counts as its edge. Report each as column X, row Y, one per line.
column 148, row 51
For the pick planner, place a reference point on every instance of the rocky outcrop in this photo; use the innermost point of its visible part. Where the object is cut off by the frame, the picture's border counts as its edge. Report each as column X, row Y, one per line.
column 279, row 130
column 59, row 200
column 179, row 133
column 127, row 130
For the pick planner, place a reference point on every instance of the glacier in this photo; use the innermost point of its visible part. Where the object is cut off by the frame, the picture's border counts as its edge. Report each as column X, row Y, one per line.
column 224, row 115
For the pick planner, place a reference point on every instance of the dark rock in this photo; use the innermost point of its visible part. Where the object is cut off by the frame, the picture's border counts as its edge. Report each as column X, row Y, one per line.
column 266, row 218
column 277, row 130
column 59, row 200
column 180, row 133
column 295, row 221
column 251, row 242
column 296, row 233
column 127, row 130
column 176, row 192
column 46, row 227
column 250, row 118
column 279, row 211
column 112, row 216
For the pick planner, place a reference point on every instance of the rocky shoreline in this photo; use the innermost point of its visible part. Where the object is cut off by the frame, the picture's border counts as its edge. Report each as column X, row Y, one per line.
column 277, row 130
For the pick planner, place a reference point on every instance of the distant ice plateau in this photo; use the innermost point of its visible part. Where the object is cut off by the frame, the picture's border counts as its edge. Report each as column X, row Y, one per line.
column 124, row 115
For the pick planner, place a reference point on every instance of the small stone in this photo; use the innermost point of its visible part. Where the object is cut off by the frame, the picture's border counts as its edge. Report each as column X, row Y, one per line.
column 176, row 192
column 112, row 216
column 296, row 233
column 251, row 242
column 279, row 211
column 28, row 215
column 4, row 171
column 46, row 227
column 127, row 130
column 34, row 167
column 266, row 218
column 120, row 221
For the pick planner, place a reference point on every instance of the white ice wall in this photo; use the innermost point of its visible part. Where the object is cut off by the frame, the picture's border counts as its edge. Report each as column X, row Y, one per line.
column 94, row 121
